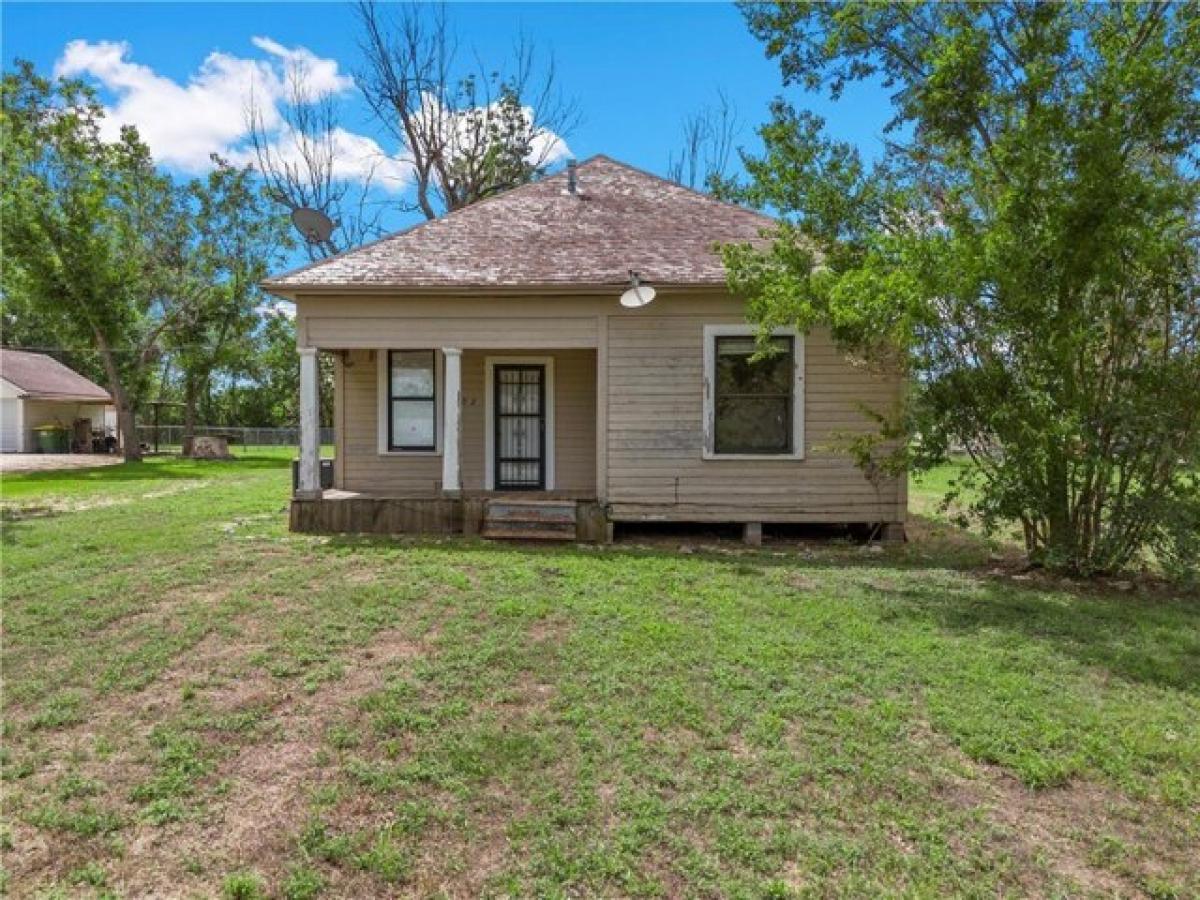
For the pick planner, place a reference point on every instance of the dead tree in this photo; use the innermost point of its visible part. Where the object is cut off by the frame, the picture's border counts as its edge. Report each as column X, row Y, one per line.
column 467, row 132
column 298, row 163
column 708, row 138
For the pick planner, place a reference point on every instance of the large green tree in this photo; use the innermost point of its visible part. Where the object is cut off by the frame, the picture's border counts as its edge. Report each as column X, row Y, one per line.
column 87, row 224
column 151, row 282
column 1026, row 250
column 233, row 236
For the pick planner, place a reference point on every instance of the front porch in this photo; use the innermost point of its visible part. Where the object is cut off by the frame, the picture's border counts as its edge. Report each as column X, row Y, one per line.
column 492, row 441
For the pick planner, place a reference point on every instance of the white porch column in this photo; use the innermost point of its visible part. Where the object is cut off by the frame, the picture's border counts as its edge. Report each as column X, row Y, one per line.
column 310, row 426
column 452, row 419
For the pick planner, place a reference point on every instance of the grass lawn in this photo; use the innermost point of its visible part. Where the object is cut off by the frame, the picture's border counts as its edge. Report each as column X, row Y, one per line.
column 199, row 703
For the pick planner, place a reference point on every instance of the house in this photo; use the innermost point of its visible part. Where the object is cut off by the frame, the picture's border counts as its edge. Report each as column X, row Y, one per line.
column 486, row 375
column 37, row 390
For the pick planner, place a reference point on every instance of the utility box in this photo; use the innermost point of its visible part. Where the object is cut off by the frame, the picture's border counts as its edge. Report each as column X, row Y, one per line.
column 326, row 474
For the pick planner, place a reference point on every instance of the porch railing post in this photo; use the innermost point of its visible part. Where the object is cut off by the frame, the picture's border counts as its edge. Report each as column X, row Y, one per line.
column 310, row 421
column 452, row 420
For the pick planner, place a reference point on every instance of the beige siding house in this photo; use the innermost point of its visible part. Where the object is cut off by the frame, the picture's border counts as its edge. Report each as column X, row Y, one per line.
column 487, row 378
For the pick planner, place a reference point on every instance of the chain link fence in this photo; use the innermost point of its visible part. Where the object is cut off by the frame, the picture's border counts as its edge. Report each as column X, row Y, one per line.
column 169, row 438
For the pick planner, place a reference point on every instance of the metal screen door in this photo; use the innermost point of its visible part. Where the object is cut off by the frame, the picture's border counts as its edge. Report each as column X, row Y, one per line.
column 520, row 439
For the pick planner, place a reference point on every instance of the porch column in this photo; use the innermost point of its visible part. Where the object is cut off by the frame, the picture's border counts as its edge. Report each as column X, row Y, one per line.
column 452, row 434
column 310, row 426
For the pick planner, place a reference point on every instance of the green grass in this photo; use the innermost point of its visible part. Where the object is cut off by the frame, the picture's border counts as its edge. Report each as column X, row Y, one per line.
column 199, row 702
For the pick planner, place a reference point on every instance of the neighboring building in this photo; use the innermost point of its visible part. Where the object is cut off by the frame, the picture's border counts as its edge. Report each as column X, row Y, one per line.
column 486, row 375
column 38, row 390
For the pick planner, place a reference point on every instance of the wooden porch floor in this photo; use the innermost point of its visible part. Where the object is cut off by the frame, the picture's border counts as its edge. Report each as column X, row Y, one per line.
column 510, row 496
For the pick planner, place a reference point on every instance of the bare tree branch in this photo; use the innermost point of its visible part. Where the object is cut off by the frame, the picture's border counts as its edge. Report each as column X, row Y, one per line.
column 708, row 138
column 468, row 132
column 297, row 161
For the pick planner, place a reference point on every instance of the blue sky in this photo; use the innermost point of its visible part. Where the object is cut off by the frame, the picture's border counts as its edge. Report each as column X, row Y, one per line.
column 635, row 69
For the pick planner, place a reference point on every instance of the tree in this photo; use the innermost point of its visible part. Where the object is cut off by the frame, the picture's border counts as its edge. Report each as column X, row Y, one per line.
column 233, row 238
column 87, row 226
column 275, row 375
column 262, row 390
column 1026, row 250
column 467, row 134
column 24, row 326
column 299, row 170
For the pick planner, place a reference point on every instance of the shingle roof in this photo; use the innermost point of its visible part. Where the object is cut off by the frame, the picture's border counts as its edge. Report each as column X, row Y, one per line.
column 621, row 218
column 44, row 377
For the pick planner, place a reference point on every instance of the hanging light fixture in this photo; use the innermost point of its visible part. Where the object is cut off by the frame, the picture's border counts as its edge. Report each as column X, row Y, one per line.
column 638, row 294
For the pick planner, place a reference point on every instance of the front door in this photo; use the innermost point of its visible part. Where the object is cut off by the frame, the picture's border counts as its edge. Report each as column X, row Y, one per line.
column 520, row 438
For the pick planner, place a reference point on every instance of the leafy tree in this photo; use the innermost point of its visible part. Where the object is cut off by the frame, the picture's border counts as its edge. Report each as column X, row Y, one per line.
column 86, row 225
column 263, row 390
column 24, row 326
column 234, row 235
column 1026, row 251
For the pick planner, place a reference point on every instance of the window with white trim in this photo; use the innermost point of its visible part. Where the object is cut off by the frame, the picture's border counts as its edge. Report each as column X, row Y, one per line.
column 412, row 400
column 754, row 393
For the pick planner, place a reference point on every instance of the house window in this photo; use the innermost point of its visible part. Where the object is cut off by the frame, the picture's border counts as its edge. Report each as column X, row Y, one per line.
column 412, row 400
column 754, row 405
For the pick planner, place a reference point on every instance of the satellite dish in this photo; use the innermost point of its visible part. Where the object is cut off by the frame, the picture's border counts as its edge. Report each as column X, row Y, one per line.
column 638, row 294
column 316, row 227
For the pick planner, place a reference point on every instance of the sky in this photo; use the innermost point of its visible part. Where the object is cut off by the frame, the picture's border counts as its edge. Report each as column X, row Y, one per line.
column 181, row 71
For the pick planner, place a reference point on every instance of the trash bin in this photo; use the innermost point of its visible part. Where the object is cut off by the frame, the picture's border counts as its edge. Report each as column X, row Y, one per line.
column 326, row 474
column 51, row 439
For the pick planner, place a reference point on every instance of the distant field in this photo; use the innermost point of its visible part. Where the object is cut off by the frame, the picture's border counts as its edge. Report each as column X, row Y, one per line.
column 198, row 703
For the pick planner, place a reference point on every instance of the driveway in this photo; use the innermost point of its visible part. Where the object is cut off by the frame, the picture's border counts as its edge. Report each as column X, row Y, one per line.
column 45, row 462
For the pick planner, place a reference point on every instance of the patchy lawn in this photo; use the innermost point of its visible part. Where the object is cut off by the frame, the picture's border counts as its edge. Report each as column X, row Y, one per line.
column 199, row 703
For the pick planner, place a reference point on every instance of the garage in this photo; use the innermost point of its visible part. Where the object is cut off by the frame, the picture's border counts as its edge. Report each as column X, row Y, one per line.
column 46, row 405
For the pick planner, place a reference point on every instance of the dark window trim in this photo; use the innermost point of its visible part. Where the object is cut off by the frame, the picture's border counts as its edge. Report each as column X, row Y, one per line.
column 392, row 398
column 790, row 398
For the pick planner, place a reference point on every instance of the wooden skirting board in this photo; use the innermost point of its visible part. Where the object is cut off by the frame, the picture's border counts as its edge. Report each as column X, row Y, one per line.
column 447, row 515
column 342, row 512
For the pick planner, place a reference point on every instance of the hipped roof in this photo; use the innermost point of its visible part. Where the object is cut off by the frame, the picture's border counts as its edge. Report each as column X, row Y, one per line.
column 540, row 234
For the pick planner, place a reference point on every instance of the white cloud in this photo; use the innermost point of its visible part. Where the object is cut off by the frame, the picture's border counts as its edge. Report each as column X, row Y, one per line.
column 355, row 158
column 184, row 123
column 459, row 128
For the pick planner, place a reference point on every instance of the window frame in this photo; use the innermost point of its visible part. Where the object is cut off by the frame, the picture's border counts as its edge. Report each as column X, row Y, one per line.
column 711, row 333
column 384, row 406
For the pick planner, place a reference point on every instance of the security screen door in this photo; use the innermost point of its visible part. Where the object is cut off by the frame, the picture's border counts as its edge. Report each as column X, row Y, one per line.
column 520, row 439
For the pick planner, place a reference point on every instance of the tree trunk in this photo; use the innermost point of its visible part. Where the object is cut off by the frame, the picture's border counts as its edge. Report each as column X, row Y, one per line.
column 189, row 414
column 126, row 424
column 1061, row 544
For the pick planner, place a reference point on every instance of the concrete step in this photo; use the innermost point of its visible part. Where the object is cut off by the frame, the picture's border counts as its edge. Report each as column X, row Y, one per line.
column 509, row 534
column 529, row 520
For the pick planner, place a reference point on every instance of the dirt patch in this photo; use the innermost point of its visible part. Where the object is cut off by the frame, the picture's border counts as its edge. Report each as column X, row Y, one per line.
column 800, row 582
column 15, row 511
column 51, row 462
column 1059, row 827
column 1051, row 822
column 267, row 785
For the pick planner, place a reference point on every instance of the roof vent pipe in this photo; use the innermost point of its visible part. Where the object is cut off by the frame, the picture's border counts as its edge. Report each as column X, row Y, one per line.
column 572, row 176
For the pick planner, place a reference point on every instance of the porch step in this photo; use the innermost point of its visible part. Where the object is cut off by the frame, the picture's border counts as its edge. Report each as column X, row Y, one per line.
column 528, row 520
